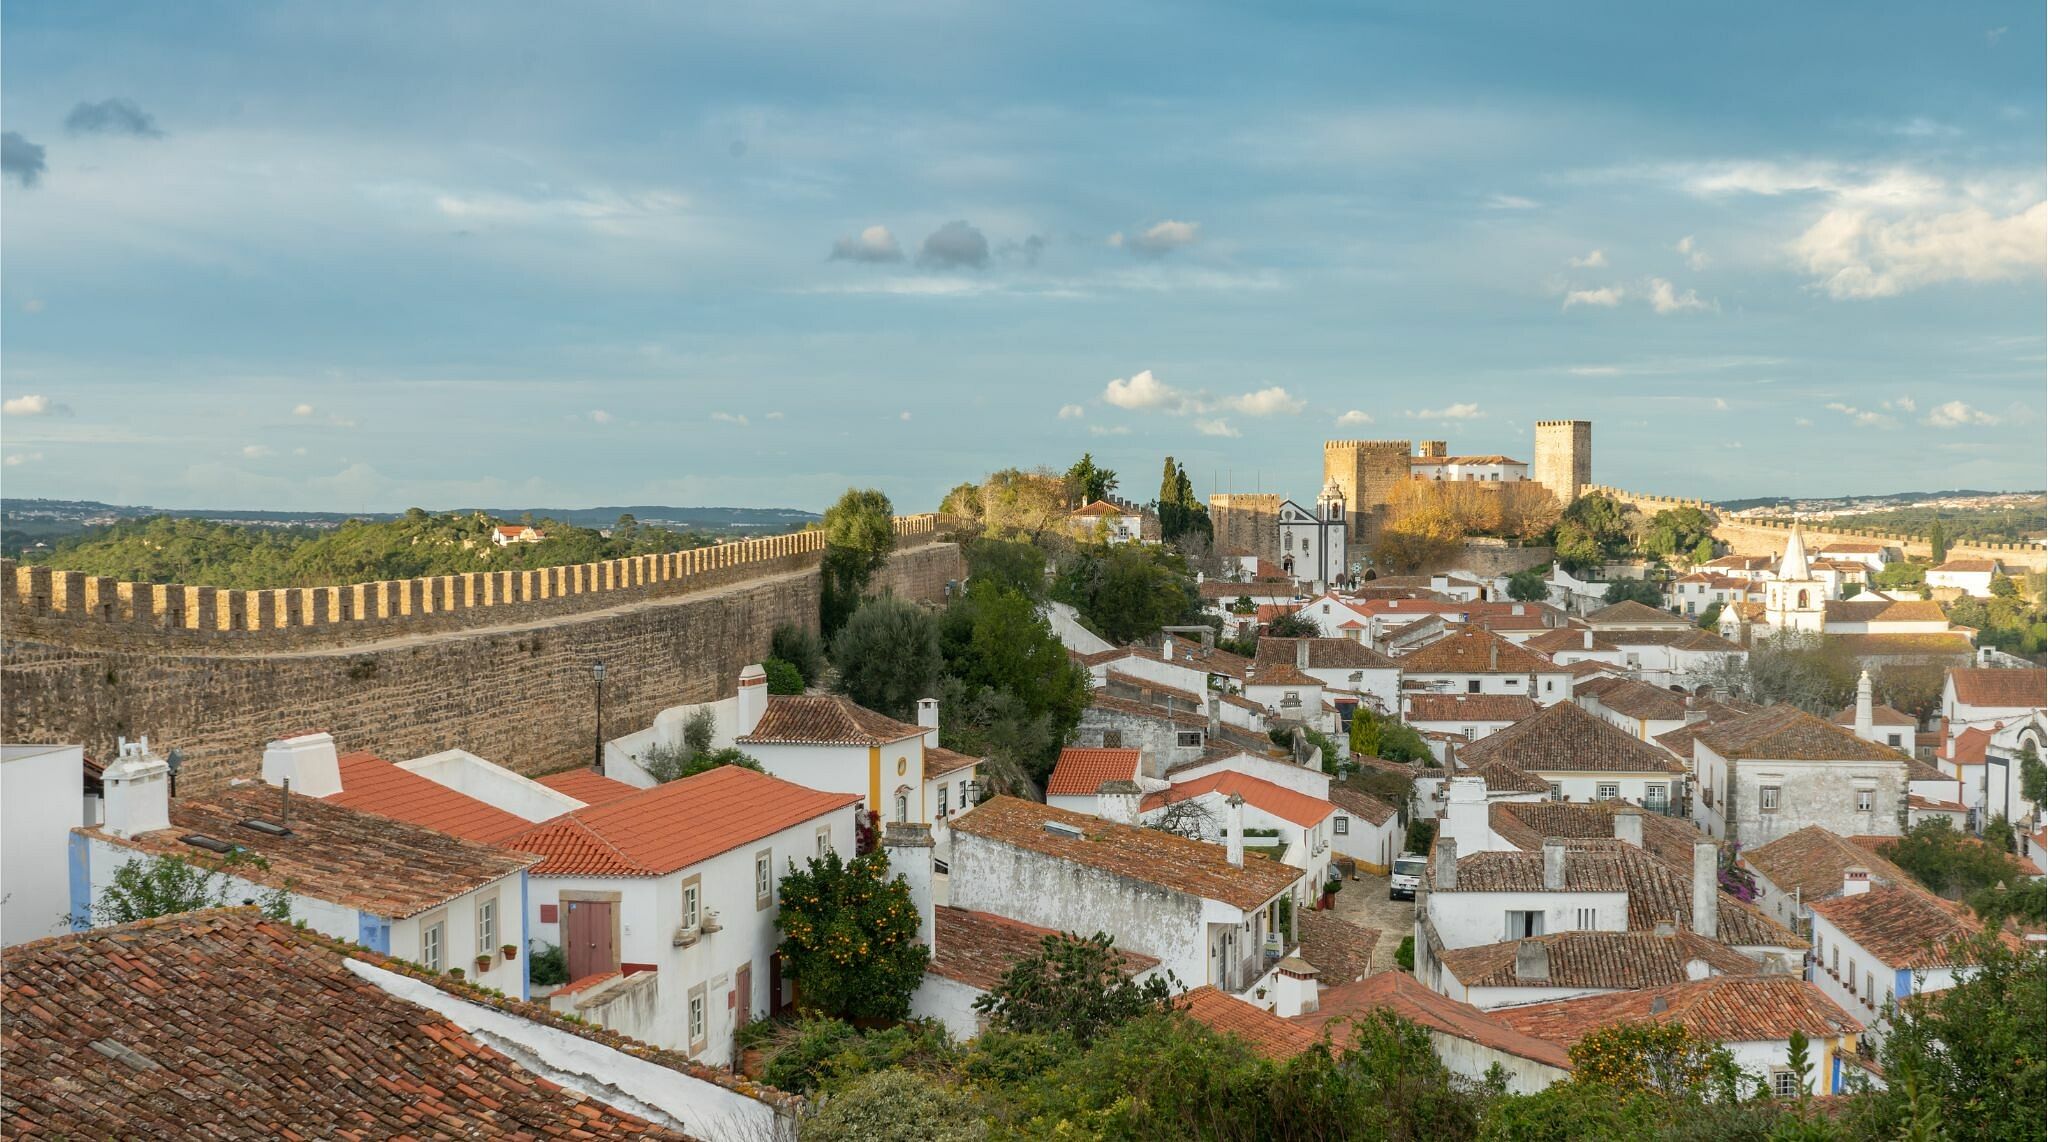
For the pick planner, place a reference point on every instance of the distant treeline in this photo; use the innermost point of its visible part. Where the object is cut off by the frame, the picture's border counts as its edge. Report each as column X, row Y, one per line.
column 207, row 554
column 2012, row 524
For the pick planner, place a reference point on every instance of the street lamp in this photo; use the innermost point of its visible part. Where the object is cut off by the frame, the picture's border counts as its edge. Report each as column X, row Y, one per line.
column 597, row 727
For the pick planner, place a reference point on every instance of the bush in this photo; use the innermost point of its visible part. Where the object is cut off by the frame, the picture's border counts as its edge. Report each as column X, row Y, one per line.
column 548, row 967
column 1405, row 954
column 849, row 937
column 666, row 763
column 1074, row 984
column 888, row 657
column 896, row 1106
column 800, row 648
column 816, row 1054
column 1420, row 833
column 783, row 677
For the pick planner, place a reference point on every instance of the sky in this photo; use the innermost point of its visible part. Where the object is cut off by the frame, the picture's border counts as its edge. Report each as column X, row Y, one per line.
column 366, row 256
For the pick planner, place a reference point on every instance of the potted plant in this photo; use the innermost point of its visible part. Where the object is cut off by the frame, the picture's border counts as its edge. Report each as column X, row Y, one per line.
column 1330, row 892
column 455, row 973
column 483, row 963
column 511, row 951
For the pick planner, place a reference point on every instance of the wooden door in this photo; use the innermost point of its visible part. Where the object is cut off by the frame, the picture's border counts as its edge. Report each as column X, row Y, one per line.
column 588, row 930
column 743, row 995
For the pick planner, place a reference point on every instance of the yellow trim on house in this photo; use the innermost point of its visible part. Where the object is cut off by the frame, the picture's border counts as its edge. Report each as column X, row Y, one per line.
column 874, row 779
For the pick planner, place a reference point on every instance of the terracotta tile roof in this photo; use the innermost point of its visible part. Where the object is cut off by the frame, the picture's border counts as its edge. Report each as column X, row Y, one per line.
column 220, row 1024
column 1263, row 1031
column 824, row 719
column 1095, row 509
column 980, row 948
column 1848, row 548
column 1526, row 824
column 1967, row 748
column 1471, row 650
column 1191, row 867
column 1405, row 996
column 1969, row 565
column 1587, row 667
column 1279, row 674
column 587, row 785
column 1689, row 639
column 1147, row 689
column 1788, row 733
column 1572, row 638
column 1338, row 949
column 380, row 865
column 1995, row 688
column 1082, row 770
column 1225, row 589
column 1726, row 1009
column 1614, row 960
column 1954, row 644
column 1323, row 654
column 1880, row 715
column 1905, row 925
column 1211, row 660
column 372, row 785
column 1883, row 610
column 1276, row 800
column 1563, row 737
column 1469, row 707
column 940, row 762
column 1501, row 777
column 1657, row 891
column 1741, row 562
column 1628, row 612
column 1811, row 862
column 640, row 835
column 1364, row 806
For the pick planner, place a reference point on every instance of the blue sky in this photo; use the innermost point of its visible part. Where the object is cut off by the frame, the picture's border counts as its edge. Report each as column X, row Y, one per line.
column 364, row 256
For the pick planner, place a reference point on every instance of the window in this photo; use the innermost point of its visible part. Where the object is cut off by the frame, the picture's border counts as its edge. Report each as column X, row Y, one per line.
column 1549, row 685
column 1866, row 800
column 1606, row 792
column 1835, row 960
column 1655, row 796
column 1784, row 1083
column 824, row 840
column 1869, row 988
column 698, row 1035
column 963, row 793
column 1589, row 919
column 1112, row 739
column 1470, row 732
column 1522, row 924
column 1767, row 798
column 1511, row 681
column 1556, row 791
column 902, row 807
column 433, row 947
column 1849, row 980
column 487, row 926
column 692, row 897
column 764, row 878
column 1472, row 687
column 1893, row 739
column 1191, row 738
column 1343, row 825
column 942, row 800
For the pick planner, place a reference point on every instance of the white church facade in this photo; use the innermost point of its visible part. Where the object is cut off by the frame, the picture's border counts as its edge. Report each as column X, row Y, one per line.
column 1312, row 542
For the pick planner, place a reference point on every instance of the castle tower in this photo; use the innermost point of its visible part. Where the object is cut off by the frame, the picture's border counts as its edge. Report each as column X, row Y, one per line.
column 1564, row 457
column 1432, row 449
column 1246, row 521
column 1366, row 472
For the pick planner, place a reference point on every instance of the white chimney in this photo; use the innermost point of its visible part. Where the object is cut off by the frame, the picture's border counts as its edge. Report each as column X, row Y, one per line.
column 1166, row 648
column 1553, row 864
column 1532, row 961
column 752, row 700
column 1706, row 889
column 1697, row 969
column 1628, row 826
column 308, row 761
column 1233, row 829
column 138, row 791
column 909, row 844
column 1465, row 814
column 928, row 717
column 1119, row 801
column 1446, row 864
column 1295, row 989
column 1866, row 727
column 1301, row 654
column 1855, row 881
column 1589, row 640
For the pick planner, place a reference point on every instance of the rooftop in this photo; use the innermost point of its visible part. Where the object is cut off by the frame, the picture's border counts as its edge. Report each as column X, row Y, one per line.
column 1629, row 613
column 1263, row 1031
column 373, row 785
column 1339, row 949
column 1613, row 960
column 1275, row 800
column 1360, row 804
column 1402, row 994
column 1526, row 824
column 1884, row 610
column 1323, row 654
column 1788, row 733
column 1880, row 715
column 1727, row 1009
column 824, row 719
column 940, row 762
column 657, row 831
column 1425, row 707
column 1472, row 650
column 980, row 948
column 1187, row 866
column 1082, row 770
column 1905, row 925
column 1812, row 861
column 1964, row 565
column 1999, row 688
column 1563, row 737
column 1945, row 644
column 1657, row 891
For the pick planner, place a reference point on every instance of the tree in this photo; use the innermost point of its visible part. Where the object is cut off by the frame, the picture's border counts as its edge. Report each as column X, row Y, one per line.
column 1937, row 542
column 1799, row 668
column 2033, row 775
column 1128, row 591
column 1019, row 567
column 1530, row 585
column 1078, row 985
column 1635, row 590
column 1949, row 862
column 1703, row 552
column 849, row 937
column 1180, row 512
column 1900, row 574
column 1088, row 482
column 143, row 889
column 860, row 532
column 1293, row 624
column 783, row 677
column 888, row 657
column 896, row 1105
column 1678, row 531
column 1185, row 817
column 1019, row 504
column 1374, row 735
column 2003, row 587
column 1013, row 694
column 1710, row 619
column 1654, row 1058
column 800, row 648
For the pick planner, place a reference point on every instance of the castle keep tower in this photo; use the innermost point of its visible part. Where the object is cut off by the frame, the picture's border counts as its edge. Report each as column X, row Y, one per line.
column 1366, row 472
column 1564, row 457
column 1246, row 521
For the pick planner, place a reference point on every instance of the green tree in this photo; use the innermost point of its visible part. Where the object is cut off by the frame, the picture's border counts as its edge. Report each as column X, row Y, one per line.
column 1655, row 1058
column 1075, row 984
column 1577, row 548
column 1678, row 531
column 666, row 762
column 1703, row 552
column 849, row 937
column 1950, row 862
column 2033, row 775
column 783, row 677
column 1900, row 574
column 1710, row 619
column 1635, row 590
column 1293, row 624
column 1373, row 735
column 1180, row 511
column 145, row 888
column 1020, row 567
column 888, row 657
column 895, row 1106
column 1128, row 591
column 1089, row 483
column 860, row 532
column 1530, row 585
column 800, row 648
column 1937, row 542
column 2003, row 587
column 1013, row 693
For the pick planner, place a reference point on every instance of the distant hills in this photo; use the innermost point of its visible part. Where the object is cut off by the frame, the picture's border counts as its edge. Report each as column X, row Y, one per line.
column 1896, row 499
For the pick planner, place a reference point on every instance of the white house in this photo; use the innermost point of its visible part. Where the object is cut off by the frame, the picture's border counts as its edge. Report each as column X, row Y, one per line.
column 2003, row 769
column 1872, row 555
column 826, row 741
column 42, row 798
column 1467, row 716
column 664, row 903
column 1812, row 864
column 1113, row 523
column 1873, row 947
column 1202, row 806
column 1366, row 829
column 1350, row 671
column 505, row 535
column 1763, row 775
column 1583, row 758
column 1970, row 576
column 1470, row 660
column 1985, row 698
column 972, row 952
column 1479, row 469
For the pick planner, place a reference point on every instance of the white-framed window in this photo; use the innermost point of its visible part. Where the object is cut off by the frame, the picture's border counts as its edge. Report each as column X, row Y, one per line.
column 963, row 793
column 902, row 807
column 942, row 800
column 1522, row 924
column 1767, row 798
column 1849, row 980
column 434, row 946
column 487, row 926
column 1835, row 960
column 764, row 878
column 1784, row 1082
column 698, row 1031
column 1471, row 732
column 1866, row 800
column 1655, row 795
column 1589, row 919
column 1343, row 825
column 692, row 901
column 1556, row 791
column 1869, row 988
column 1605, row 792
column 824, row 840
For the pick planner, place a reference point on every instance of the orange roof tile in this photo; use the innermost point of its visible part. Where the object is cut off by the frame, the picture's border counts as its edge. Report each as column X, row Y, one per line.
column 980, row 948
column 824, row 719
column 1278, row 800
column 1904, row 925
column 370, row 784
column 1726, row 1009
column 1997, row 688
column 1411, row 999
column 1473, row 650
column 1469, row 707
column 1263, row 1031
column 940, row 762
column 1082, row 770
column 588, row 786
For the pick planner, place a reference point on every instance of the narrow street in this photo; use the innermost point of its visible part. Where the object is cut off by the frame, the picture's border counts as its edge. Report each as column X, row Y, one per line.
column 1364, row 902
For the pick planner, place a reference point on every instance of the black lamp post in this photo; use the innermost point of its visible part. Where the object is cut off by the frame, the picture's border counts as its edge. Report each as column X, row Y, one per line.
column 597, row 727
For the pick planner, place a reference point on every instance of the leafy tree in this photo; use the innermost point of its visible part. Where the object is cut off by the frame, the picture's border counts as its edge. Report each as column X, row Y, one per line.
column 1088, row 482
column 1074, row 984
column 1900, row 574
column 888, row 657
column 1018, row 748
column 860, row 532
column 1655, row 1058
column 1404, row 956
column 698, row 730
column 1530, row 585
column 1019, row 567
column 548, row 967
column 895, row 1106
column 849, row 937
column 993, row 640
column 1180, row 510
column 1421, row 833
column 1937, row 542
column 1950, row 862
column 818, row 1053
column 1293, row 624
column 1635, row 590
column 2025, row 901
column 1375, row 735
column 1710, row 619
column 964, row 501
column 1799, row 668
column 783, row 677
column 1703, row 552
column 1678, row 531
column 2033, row 775
column 1576, row 546
column 800, row 648
column 1128, row 591
column 673, row 762
column 145, row 888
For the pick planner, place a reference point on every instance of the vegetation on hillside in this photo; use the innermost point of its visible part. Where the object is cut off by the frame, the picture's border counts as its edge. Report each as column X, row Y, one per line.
column 2006, row 523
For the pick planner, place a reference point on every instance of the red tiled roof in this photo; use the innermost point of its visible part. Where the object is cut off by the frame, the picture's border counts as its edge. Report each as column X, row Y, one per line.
column 1995, row 688
column 1905, row 925
column 1323, row 654
column 1362, row 805
column 1572, row 638
column 221, row 1024
column 1277, row 800
column 1726, row 1009
column 824, row 719
column 1884, row 610
column 1472, row 650
column 1629, row 612
column 588, row 786
column 1788, row 733
column 1880, row 715
column 673, row 826
column 1564, row 738
column 1968, row 747
column 980, row 948
column 1082, row 770
column 1968, row 565
column 1263, row 1031
column 1613, row 960
column 1404, row 995
column 1337, row 948
column 1469, row 707
column 370, row 784
column 940, row 762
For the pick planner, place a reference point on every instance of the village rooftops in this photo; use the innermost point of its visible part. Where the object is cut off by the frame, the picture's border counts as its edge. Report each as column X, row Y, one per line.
column 1725, row 1009
column 1275, row 800
column 1657, row 891
column 824, row 719
column 1565, row 738
column 1186, row 718
column 371, row 784
column 1263, row 1031
column 1193, row 868
column 380, row 865
column 1081, row 770
column 1905, row 925
column 1427, row 707
column 1884, row 611
column 1979, row 566
column 1851, row 547
column 1573, row 638
column 1502, row 777
column 1628, row 613
column 1812, row 862
column 980, row 948
column 1323, row 654
column 1879, row 716
column 1688, row 638
column 1788, row 733
column 1967, row 748
column 222, row 1024
column 1360, row 804
column 1527, row 824
column 673, row 826
column 587, row 785
column 1402, row 994
column 1472, row 650
column 1952, row 643
column 1995, row 688
column 940, row 762
column 1609, row 960
column 1098, row 509
column 1337, row 948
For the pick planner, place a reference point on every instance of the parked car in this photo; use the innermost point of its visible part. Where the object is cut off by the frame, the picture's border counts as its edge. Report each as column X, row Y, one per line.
column 1409, row 869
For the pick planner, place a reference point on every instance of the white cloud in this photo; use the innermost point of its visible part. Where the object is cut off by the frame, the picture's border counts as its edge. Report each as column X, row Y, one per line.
column 1510, row 202
column 1159, row 239
column 1466, row 411
column 1595, row 370
column 1145, row 391
column 1862, row 417
column 773, row 416
column 1607, row 297
column 1592, row 261
column 1215, row 428
column 904, row 415
column 1720, row 404
column 1266, row 402
column 1354, row 418
column 1802, row 422
column 33, row 404
column 600, row 416
column 32, row 305
column 299, row 452
column 1956, row 414
column 1694, row 256
column 1665, row 298
column 874, row 244
column 1072, row 412
column 1858, row 253
column 17, row 459
column 1108, row 430
column 302, row 410
column 257, row 451
column 730, row 418
column 1903, row 404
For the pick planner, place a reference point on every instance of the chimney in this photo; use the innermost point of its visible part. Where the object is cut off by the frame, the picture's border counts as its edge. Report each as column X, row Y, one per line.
column 1465, row 814
column 1301, row 654
column 308, row 761
column 1628, row 826
column 752, row 701
column 1553, row 864
column 138, row 791
column 1447, row 864
column 1589, row 639
column 1855, row 881
column 1532, row 961
column 1866, row 727
column 1666, row 929
column 1233, row 829
column 1215, row 714
column 1492, row 654
column 1119, row 801
column 1517, row 609
column 1706, row 889
column 1166, row 648
column 1693, row 713
column 1697, row 969
column 928, row 717
column 909, row 844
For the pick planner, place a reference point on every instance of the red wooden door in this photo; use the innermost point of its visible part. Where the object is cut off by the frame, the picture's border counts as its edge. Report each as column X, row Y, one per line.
column 588, row 930
column 743, row 994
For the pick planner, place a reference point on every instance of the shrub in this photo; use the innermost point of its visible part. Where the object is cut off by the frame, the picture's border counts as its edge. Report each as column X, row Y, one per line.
column 548, row 967
column 783, row 677
column 849, row 937
column 1405, row 954
column 896, row 1106
column 800, row 648
column 1074, row 984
